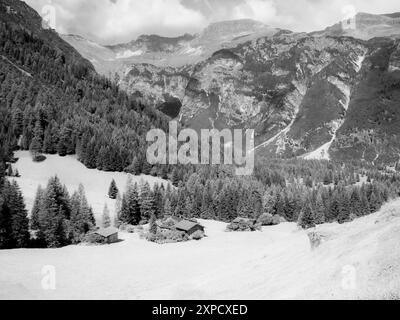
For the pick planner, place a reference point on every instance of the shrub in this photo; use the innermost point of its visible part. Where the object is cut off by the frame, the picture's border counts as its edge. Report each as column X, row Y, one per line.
column 315, row 239
column 167, row 236
column 266, row 219
column 130, row 229
column 242, row 225
column 38, row 158
column 94, row 238
column 198, row 235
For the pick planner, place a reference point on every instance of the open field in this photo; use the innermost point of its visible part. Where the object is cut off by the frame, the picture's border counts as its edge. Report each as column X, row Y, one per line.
column 357, row 260
column 71, row 173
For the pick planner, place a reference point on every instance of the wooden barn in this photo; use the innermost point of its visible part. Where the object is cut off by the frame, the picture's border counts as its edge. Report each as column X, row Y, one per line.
column 189, row 227
column 109, row 234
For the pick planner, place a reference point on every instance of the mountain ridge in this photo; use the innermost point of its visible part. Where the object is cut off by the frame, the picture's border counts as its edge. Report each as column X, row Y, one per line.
column 298, row 90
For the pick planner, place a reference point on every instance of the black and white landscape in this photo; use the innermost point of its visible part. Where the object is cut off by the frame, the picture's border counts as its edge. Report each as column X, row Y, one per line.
column 85, row 215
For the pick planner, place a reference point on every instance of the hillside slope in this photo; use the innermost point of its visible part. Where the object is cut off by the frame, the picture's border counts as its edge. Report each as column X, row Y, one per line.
column 358, row 260
column 72, row 173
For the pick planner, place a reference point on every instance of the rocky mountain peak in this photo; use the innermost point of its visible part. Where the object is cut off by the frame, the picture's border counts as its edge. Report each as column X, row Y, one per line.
column 367, row 26
column 231, row 27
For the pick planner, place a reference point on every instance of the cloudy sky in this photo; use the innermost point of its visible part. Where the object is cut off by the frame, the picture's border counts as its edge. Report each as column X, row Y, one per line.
column 116, row 21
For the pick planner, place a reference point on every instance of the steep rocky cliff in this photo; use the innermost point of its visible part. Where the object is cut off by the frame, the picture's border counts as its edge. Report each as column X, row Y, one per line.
column 324, row 95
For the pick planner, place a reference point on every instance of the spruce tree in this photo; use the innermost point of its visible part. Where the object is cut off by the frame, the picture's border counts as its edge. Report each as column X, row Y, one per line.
column 35, row 148
column 334, row 209
column 355, row 204
column 36, row 209
column 319, row 210
column 167, row 208
column 5, row 224
column 344, row 212
column 180, row 208
column 207, row 211
column 365, row 208
column 375, row 201
column 158, row 201
column 153, row 224
column 269, row 200
column 118, row 208
column 307, row 218
column 175, row 177
column 147, row 202
column 82, row 217
column 17, row 218
column 113, row 190
column 130, row 207
column 53, row 231
column 106, row 219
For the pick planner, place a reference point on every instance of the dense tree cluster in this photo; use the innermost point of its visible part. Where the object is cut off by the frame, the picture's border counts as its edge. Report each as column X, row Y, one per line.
column 214, row 192
column 140, row 203
column 59, row 219
column 225, row 197
column 14, row 223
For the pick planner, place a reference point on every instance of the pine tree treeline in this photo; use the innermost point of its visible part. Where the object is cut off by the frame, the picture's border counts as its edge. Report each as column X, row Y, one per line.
column 216, row 193
column 140, row 203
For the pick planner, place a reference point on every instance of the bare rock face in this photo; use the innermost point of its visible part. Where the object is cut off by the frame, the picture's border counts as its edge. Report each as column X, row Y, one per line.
column 293, row 89
column 169, row 51
column 372, row 125
column 332, row 94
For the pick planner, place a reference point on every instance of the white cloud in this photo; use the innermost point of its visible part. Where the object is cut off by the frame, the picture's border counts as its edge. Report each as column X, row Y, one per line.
column 122, row 20
column 260, row 10
column 113, row 21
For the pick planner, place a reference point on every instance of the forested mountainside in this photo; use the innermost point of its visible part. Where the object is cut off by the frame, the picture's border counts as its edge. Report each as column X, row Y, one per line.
column 53, row 101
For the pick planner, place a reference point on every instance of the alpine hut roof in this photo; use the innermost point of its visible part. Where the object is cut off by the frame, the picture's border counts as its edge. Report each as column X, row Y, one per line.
column 186, row 225
column 106, row 232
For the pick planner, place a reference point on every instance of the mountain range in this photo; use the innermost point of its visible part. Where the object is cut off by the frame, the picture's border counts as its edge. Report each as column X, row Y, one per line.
column 329, row 94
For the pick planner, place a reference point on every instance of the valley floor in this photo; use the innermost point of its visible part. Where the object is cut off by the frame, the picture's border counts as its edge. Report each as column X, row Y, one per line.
column 357, row 260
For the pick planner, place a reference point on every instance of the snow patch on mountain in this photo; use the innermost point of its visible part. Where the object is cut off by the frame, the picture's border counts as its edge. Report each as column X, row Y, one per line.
column 358, row 63
column 344, row 88
column 129, row 53
column 322, row 153
column 192, row 51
